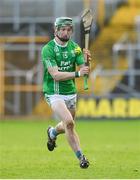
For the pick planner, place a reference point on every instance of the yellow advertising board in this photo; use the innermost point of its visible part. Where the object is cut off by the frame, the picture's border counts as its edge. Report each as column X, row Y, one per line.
column 108, row 108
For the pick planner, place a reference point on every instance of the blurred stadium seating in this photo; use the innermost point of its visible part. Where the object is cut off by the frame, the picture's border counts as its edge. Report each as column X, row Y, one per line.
column 25, row 26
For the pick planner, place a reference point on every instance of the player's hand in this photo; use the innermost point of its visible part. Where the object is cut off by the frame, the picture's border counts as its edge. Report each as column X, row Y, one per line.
column 87, row 55
column 84, row 70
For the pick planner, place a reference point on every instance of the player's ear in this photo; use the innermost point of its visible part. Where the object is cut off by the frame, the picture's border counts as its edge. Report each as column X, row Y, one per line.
column 55, row 30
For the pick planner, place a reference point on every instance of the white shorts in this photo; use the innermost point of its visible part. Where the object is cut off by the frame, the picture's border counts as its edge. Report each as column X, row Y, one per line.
column 69, row 100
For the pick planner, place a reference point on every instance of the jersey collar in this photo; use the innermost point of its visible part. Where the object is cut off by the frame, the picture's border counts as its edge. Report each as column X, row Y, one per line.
column 59, row 44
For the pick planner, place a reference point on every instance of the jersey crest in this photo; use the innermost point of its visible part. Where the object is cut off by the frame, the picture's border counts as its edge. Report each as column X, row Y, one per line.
column 77, row 50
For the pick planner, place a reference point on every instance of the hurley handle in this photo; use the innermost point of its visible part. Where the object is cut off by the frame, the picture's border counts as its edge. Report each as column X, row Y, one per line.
column 86, row 62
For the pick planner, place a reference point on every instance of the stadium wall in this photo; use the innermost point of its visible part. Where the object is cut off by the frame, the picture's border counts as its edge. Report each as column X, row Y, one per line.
column 118, row 107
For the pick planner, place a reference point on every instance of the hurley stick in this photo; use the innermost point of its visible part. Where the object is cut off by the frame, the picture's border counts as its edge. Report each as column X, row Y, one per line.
column 87, row 19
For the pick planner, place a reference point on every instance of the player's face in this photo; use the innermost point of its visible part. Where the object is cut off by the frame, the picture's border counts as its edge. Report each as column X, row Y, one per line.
column 64, row 33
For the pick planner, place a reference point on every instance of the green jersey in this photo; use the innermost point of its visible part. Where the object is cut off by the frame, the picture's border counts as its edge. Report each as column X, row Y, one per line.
column 65, row 58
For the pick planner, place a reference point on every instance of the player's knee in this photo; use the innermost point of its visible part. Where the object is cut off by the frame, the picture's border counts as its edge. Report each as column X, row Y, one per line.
column 69, row 124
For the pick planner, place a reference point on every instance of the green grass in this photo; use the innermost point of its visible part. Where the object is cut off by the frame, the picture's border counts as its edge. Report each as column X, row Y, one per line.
column 113, row 148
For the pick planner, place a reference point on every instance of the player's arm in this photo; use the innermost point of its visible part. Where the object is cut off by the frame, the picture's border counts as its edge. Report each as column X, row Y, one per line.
column 61, row 76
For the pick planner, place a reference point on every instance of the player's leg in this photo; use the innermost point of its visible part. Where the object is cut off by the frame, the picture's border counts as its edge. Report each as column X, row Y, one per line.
column 64, row 114
column 62, row 111
column 70, row 103
column 84, row 163
column 53, row 132
column 72, row 111
column 60, row 129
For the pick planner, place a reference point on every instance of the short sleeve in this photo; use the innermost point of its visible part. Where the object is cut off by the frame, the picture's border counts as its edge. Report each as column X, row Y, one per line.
column 48, row 56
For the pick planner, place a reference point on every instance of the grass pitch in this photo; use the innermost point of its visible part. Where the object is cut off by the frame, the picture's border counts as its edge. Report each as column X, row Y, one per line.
column 112, row 147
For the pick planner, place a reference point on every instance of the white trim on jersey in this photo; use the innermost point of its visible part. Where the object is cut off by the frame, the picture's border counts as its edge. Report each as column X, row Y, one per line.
column 56, row 87
column 60, row 44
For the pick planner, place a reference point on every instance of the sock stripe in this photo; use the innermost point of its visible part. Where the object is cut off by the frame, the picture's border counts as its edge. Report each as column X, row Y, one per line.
column 78, row 154
column 53, row 133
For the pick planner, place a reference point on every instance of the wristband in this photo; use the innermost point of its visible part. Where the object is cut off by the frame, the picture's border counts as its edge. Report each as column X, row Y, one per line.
column 77, row 74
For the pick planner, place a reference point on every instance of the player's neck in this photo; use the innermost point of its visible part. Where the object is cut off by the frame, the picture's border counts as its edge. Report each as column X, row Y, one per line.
column 59, row 41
